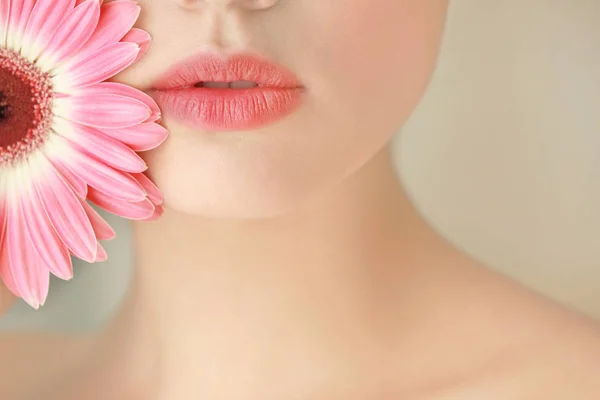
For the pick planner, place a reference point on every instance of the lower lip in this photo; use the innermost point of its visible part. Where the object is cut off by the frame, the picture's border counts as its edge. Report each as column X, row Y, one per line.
column 228, row 109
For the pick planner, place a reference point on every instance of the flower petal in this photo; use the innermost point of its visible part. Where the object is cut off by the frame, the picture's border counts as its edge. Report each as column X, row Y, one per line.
column 140, row 210
column 127, row 91
column 152, row 191
column 101, row 255
column 30, row 277
column 4, row 20
column 19, row 15
column 102, row 147
column 143, row 137
column 2, row 204
column 50, row 249
column 116, row 19
column 142, row 38
column 108, row 180
column 77, row 184
column 95, row 173
column 102, row 229
column 44, row 20
column 102, row 111
column 97, row 67
column 65, row 211
column 5, row 270
column 158, row 212
column 75, row 29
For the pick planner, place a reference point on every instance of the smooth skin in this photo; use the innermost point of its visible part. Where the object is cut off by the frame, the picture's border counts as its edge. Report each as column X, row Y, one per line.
column 290, row 262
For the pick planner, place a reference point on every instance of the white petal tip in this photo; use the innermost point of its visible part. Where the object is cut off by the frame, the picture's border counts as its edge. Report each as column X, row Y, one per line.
column 33, row 303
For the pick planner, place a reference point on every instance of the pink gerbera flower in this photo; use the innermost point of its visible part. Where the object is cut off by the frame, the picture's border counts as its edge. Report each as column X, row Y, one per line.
column 67, row 136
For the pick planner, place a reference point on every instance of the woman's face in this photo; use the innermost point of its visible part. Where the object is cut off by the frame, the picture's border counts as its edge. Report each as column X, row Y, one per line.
column 363, row 66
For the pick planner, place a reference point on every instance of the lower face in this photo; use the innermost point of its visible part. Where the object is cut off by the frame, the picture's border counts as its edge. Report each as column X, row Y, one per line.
column 363, row 66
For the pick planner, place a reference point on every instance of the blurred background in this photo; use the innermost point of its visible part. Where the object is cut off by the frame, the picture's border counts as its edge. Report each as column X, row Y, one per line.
column 502, row 156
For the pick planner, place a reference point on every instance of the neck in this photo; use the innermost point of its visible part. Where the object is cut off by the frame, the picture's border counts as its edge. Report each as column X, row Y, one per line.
column 215, row 288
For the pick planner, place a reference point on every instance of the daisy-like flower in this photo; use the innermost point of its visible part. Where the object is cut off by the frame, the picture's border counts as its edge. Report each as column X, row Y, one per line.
column 67, row 136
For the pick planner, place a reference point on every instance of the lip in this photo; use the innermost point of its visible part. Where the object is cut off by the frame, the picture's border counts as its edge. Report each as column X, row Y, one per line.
column 277, row 95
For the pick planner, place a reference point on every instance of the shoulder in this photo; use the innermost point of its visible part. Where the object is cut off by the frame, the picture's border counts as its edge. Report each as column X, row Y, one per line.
column 494, row 339
column 536, row 347
column 565, row 367
column 564, row 361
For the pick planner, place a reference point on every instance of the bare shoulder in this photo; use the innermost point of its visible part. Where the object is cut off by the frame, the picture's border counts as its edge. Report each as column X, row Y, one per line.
column 560, row 357
column 564, row 365
column 521, row 345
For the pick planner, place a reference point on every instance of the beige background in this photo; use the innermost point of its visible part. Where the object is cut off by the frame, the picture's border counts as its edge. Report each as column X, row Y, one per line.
column 502, row 156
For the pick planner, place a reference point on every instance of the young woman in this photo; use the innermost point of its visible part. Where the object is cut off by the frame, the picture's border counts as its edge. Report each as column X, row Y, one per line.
column 289, row 262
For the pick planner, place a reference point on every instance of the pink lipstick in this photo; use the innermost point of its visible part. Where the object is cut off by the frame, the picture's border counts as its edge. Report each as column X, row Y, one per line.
column 237, row 92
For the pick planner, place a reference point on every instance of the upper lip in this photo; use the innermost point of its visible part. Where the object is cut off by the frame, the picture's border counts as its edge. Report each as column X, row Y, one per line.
column 212, row 67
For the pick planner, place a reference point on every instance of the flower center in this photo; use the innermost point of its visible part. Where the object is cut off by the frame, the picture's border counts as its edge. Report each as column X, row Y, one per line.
column 3, row 107
column 25, row 107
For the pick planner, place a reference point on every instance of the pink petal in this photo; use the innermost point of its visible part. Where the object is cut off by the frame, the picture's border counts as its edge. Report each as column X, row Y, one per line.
column 152, row 191
column 97, row 67
column 50, row 249
column 158, row 212
column 101, row 255
column 77, row 184
column 78, row 2
column 126, row 91
column 19, row 15
column 132, row 210
column 102, row 229
column 75, row 29
column 5, row 271
column 95, row 173
column 104, row 148
column 103, row 111
column 31, row 278
column 142, row 38
column 4, row 19
column 102, row 177
column 43, row 22
column 143, row 137
column 116, row 19
column 66, row 213
column 2, row 205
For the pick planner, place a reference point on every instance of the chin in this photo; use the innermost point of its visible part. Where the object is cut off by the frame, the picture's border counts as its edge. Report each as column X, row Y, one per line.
column 210, row 192
column 233, row 181
column 254, row 175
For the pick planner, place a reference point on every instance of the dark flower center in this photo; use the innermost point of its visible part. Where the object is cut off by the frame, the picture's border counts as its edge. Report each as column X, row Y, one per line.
column 25, row 107
column 4, row 109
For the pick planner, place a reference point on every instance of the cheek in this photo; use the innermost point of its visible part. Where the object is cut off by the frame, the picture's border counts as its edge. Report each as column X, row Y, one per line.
column 367, row 64
column 376, row 56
